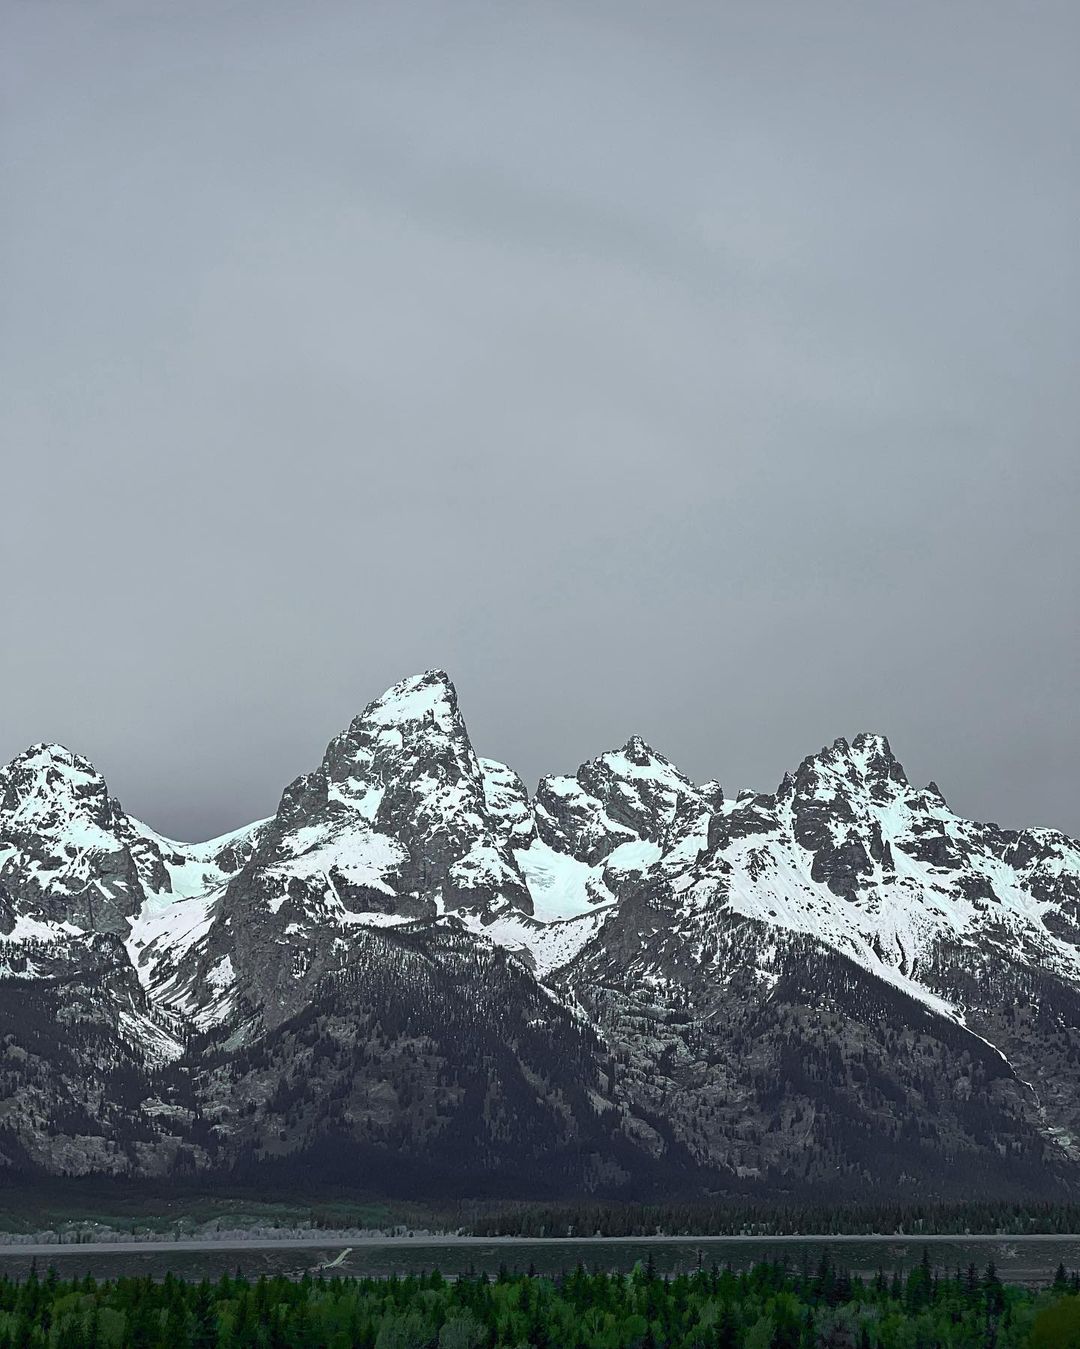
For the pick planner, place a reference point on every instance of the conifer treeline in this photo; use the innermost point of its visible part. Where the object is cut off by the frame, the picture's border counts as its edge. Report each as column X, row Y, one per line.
column 763, row 1220
column 768, row 1307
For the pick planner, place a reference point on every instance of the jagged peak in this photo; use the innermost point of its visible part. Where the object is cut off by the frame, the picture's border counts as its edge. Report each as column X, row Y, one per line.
column 635, row 758
column 864, row 744
column 48, row 787
column 51, row 754
column 638, row 750
column 872, row 742
column 868, row 758
column 427, row 697
column 50, row 771
column 826, row 761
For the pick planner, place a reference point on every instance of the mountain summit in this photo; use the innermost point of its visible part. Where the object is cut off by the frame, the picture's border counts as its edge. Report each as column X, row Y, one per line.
column 623, row 984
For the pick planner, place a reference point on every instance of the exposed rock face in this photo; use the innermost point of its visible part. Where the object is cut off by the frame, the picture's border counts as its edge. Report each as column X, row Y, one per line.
column 507, row 803
column 66, row 847
column 395, row 818
column 439, row 1050
column 627, row 795
column 837, row 983
column 394, row 824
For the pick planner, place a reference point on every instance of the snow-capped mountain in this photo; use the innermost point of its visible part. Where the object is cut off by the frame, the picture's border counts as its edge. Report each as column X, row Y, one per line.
column 849, row 853
column 622, row 981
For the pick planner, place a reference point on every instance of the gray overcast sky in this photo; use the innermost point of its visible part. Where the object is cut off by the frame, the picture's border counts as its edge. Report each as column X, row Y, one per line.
column 705, row 371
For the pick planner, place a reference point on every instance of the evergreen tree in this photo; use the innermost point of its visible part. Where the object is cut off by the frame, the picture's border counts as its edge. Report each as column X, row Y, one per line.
column 204, row 1322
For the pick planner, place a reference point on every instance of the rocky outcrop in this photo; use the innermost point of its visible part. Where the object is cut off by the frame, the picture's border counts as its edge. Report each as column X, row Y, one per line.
column 624, row 796
column 67, row 852
column 835, row 984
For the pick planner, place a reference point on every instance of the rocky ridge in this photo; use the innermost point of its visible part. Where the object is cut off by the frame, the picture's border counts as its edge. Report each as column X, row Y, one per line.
column 836, row 983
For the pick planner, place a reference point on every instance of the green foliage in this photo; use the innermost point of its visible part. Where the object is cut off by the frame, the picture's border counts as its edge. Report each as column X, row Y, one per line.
column 767, row 1307
column 1058, row 1325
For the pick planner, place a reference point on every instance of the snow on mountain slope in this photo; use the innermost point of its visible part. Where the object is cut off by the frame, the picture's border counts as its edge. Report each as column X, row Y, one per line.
column 544, row 946
column 74, row 866
column 170, row 921
column 197, row 868
column 741, row 962
column 849, row 853
column 64, row 845
column 396, row 816
column 162, row 931
column 623, row 796
column 560, row 885
column 393, row 824
column 401, row 821
column 507, row 802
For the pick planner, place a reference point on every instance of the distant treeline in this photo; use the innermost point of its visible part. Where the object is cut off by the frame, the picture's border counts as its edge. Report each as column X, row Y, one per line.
column 768, row 1307
column 51, row 1203
column 761, row 1219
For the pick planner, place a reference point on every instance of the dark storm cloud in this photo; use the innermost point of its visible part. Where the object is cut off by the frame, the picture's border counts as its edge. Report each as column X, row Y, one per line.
column 702, row 371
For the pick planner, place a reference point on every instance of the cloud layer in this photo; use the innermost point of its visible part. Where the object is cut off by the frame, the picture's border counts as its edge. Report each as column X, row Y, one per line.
column 700, row 371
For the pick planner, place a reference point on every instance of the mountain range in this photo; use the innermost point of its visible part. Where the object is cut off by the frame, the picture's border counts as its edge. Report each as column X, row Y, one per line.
column 416, row 978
